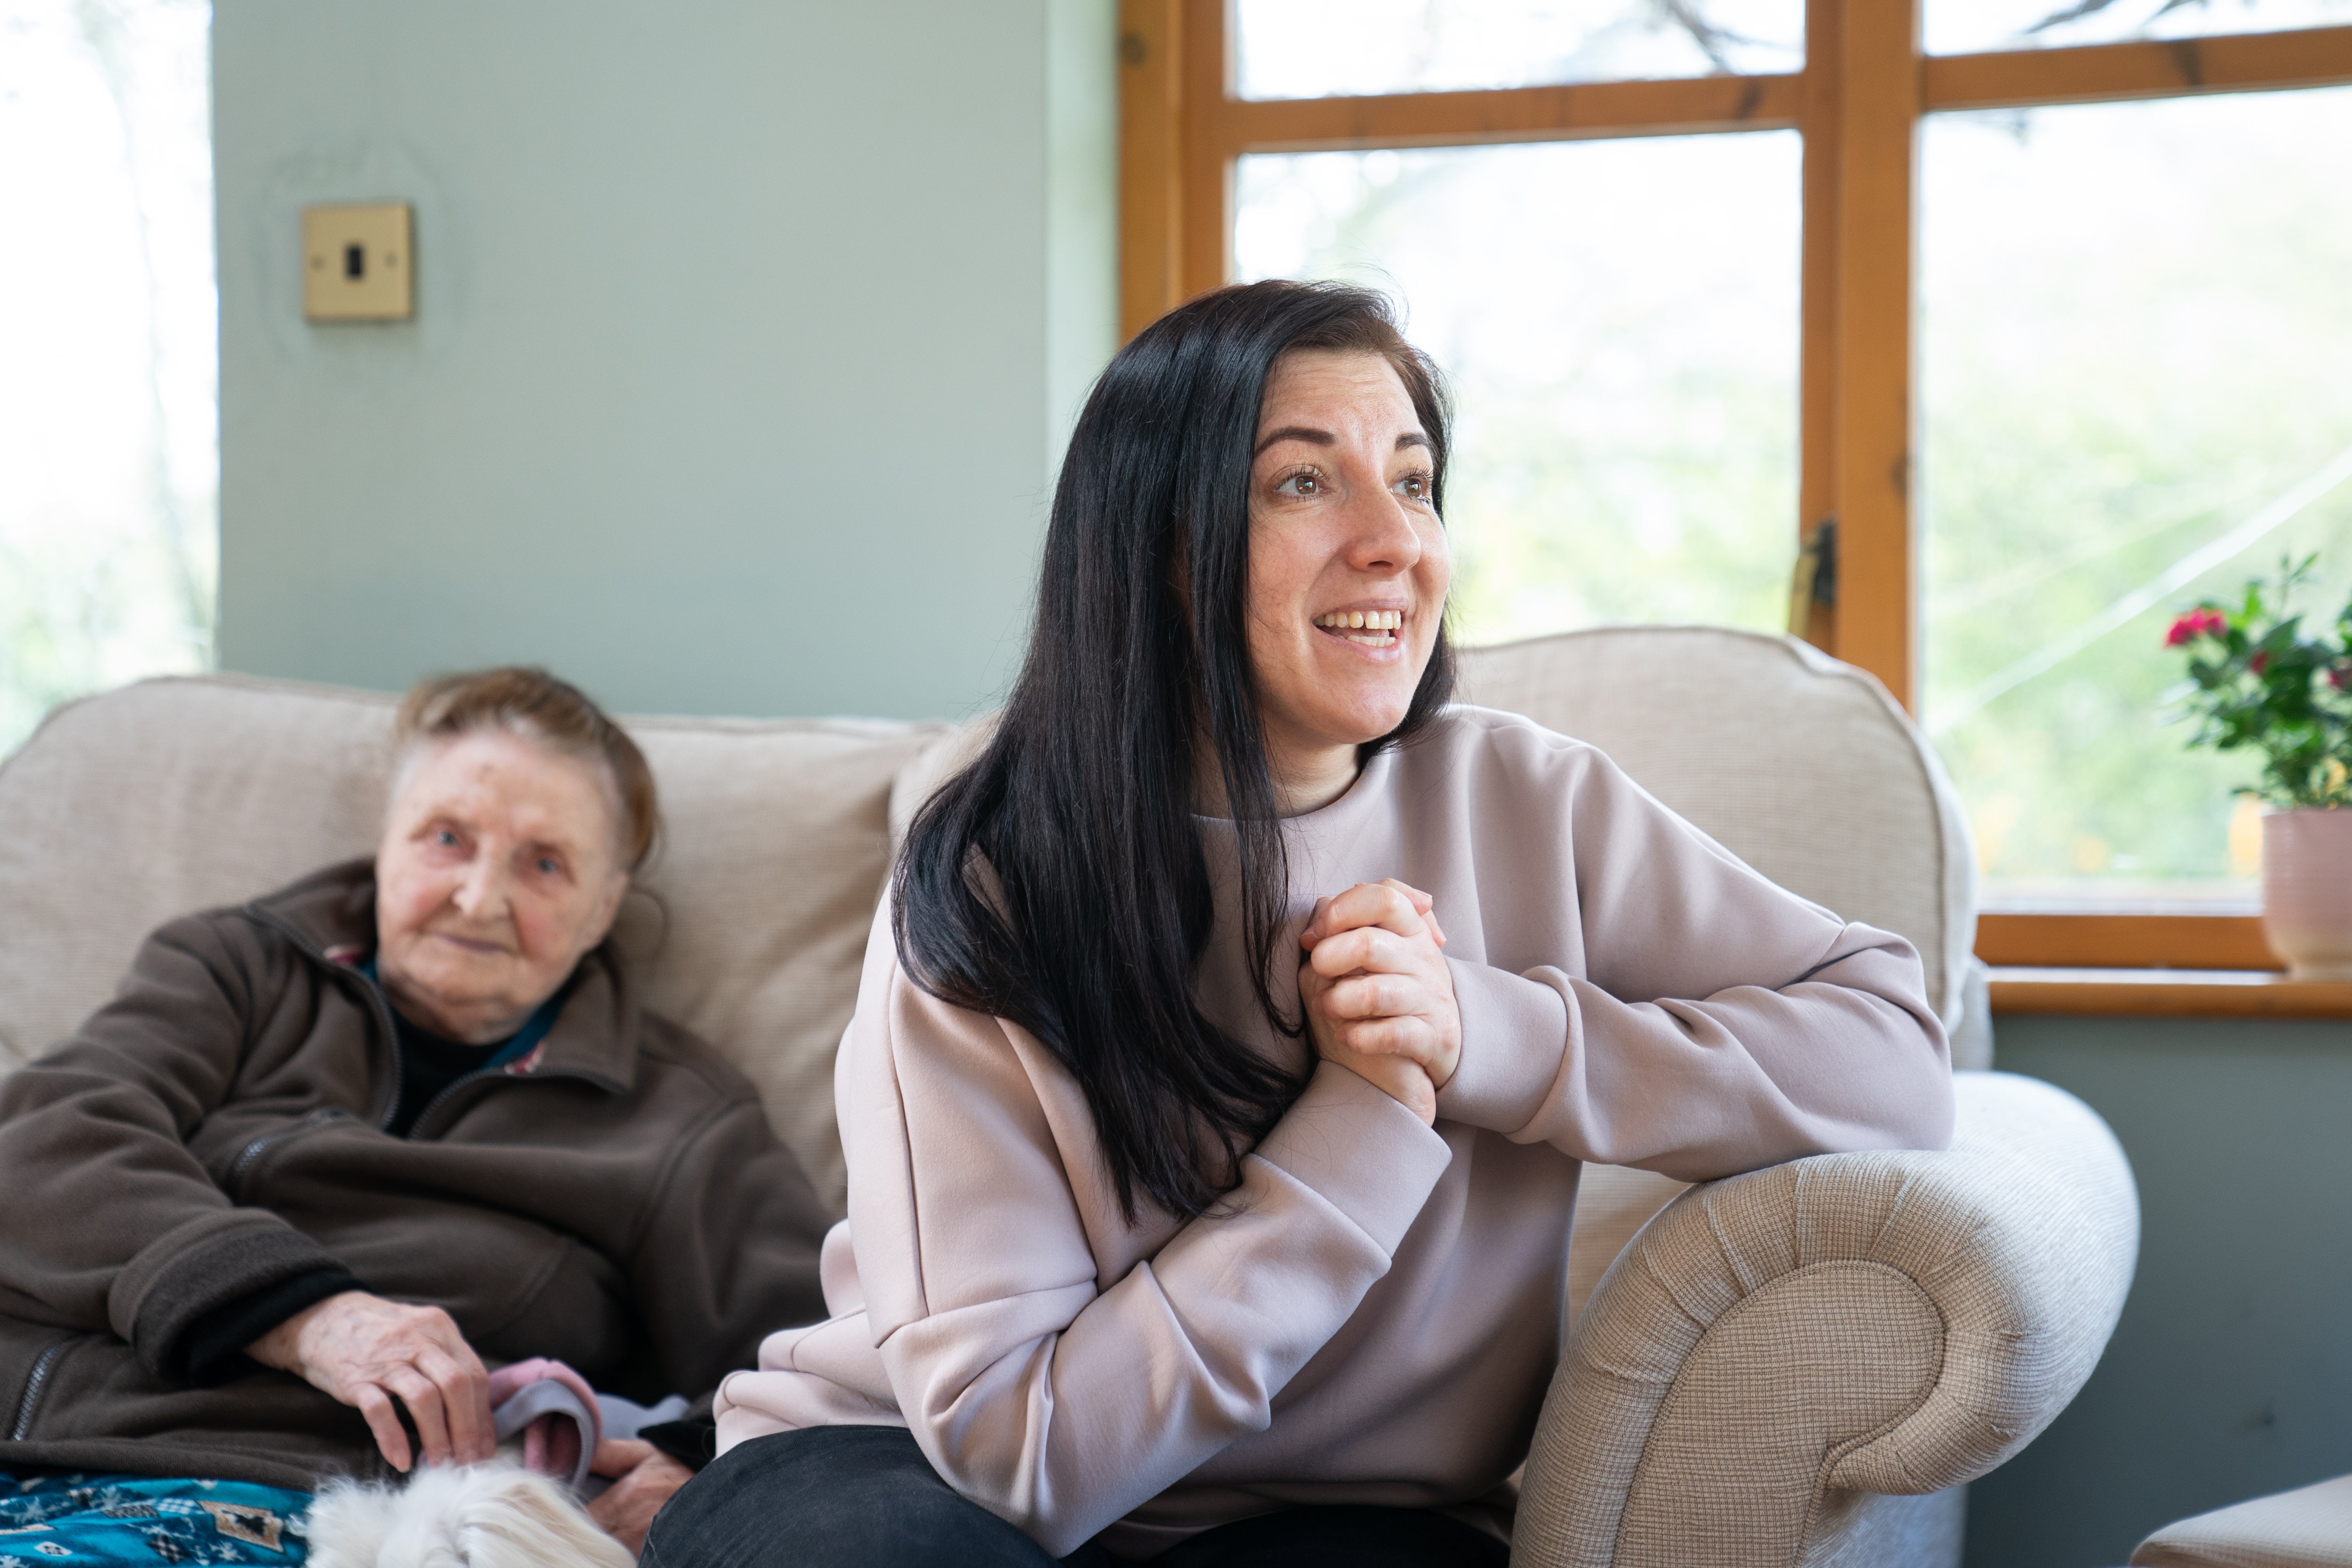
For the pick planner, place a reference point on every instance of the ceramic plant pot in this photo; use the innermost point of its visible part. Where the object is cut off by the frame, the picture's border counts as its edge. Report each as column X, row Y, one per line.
column 2307, row 890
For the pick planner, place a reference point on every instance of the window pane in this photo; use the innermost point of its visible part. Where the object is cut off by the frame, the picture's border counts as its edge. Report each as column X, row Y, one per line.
column 1618, row 320
column 2135, row 335
column 1965, row 27
column 1315, row 48
column 108, row 451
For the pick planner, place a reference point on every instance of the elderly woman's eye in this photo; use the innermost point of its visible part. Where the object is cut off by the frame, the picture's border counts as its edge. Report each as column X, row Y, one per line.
column 548, row 865
column 445, row 838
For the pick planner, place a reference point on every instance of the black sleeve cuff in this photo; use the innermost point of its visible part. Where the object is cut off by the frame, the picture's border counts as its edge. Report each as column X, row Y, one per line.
column 228, row 1255
column 211, row 1348
column 692, row 1439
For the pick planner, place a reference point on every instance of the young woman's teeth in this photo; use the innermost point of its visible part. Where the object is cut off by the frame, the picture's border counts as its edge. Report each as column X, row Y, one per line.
column 1372, row 629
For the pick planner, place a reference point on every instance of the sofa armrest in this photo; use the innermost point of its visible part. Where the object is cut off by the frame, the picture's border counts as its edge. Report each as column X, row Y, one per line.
column 1775, row 1347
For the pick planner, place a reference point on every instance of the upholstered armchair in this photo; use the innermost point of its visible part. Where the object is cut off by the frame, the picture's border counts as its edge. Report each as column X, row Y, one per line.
column 1805, row 1365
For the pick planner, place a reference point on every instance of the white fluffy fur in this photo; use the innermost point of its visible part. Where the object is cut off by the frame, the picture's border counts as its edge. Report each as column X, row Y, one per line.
column 497, row 1515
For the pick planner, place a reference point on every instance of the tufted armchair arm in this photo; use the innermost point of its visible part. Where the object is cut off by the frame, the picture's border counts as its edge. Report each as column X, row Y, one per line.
column 1786, row 1367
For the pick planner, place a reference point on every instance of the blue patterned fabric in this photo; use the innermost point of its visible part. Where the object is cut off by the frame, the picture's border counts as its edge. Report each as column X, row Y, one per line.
column 59, row 1520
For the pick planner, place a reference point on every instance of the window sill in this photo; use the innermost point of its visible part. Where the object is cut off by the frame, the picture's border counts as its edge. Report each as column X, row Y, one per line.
column 2116, row 939
column 2168, row 993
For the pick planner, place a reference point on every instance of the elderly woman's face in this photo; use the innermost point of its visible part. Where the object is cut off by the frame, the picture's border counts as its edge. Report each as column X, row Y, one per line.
column 1348, row 565
column 499, row 868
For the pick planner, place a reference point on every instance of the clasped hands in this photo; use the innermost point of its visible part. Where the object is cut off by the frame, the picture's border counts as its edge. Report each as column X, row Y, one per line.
column 1378, row 995
column 367, row 1352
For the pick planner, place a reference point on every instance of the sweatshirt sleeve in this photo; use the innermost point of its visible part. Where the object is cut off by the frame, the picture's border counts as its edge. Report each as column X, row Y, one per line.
column 1695, row 1019
column 1057, row 1396
column 130, row 1234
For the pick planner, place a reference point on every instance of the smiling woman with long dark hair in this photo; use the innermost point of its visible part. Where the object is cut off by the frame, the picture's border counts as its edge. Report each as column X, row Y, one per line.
column 1236, row 1023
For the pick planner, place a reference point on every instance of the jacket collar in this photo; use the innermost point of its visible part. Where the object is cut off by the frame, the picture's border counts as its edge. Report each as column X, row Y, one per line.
column 331, row 916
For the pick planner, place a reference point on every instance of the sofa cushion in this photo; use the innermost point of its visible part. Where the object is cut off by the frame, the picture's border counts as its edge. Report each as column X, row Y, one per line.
column 180, row 793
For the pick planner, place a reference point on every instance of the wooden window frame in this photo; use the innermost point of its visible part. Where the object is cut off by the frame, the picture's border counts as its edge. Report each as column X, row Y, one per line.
column 1857, row 102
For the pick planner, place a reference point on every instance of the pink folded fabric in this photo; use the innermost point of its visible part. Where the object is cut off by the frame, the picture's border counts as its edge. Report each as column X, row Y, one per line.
column 556, row 1439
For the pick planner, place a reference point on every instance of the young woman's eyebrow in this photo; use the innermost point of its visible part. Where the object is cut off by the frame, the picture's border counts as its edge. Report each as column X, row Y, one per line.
column 1325, row 438
column 1296, row 432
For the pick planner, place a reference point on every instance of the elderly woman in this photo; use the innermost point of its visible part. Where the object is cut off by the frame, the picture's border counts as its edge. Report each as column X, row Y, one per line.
column 1209, row 1199
column 327, row 1156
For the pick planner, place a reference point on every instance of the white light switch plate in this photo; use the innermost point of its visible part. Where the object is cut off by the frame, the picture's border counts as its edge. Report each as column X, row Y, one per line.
column 358, row 263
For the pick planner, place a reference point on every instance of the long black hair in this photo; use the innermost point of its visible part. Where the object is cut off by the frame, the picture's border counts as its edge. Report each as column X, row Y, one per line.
column 1059, row 881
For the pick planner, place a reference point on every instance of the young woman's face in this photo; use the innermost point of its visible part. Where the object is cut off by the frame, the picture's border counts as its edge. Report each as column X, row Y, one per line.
column 1348, row 565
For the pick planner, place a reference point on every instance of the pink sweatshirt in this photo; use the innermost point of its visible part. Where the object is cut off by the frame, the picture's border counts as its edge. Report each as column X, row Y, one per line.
column 1374, row 1314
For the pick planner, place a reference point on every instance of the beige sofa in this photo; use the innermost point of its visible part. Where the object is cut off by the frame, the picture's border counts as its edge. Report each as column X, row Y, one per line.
column 1801, row 1365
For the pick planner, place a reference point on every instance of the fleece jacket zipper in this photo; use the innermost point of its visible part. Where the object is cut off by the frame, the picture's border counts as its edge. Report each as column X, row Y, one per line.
column 252, row 1153
column 32, row 1399
column 416, row 1127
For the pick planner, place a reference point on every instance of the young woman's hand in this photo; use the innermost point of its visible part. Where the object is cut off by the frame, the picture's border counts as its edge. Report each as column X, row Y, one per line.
column 1378, row 995
column 367, row 1352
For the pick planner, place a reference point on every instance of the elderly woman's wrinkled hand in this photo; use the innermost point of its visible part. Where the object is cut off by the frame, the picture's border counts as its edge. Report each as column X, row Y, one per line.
column 366, row 1352
column 1378, row 993
column 644, row 1477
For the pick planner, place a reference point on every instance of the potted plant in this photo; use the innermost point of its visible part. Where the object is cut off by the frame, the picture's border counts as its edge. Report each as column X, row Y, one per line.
column 2256, row 679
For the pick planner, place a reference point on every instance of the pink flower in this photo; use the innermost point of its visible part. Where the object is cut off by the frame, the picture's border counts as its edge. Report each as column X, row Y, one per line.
column 2203, row 621
column 2340, row 677
column 2259, row 663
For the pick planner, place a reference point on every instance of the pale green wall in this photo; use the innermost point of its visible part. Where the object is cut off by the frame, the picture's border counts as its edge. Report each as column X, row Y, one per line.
column 746, row 331
column 2230, row 1373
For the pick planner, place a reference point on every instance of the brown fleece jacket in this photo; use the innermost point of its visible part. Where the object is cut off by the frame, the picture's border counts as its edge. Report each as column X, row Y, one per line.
column 615, row 1199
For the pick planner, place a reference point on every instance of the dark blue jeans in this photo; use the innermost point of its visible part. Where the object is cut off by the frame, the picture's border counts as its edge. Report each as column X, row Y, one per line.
column 865, row 1497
